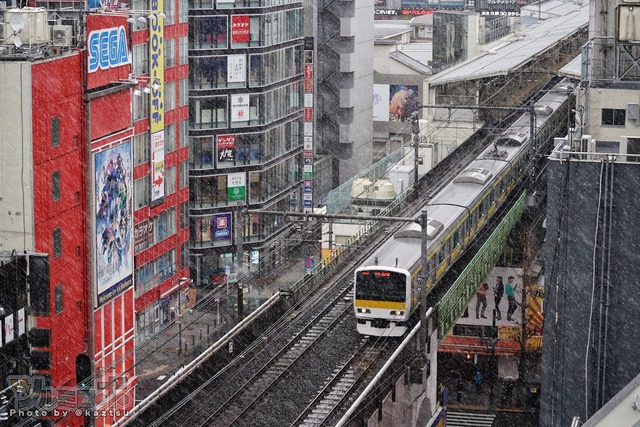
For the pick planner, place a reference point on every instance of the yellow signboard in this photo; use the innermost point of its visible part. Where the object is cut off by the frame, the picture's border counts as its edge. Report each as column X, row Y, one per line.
column 156, row 83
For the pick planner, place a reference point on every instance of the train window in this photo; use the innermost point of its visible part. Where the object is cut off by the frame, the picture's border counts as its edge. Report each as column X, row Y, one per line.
column 456, row 238
column 480, row 210
column 441, row 255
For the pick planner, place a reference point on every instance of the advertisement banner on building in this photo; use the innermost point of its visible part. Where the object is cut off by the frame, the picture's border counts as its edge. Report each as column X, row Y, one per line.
column 308, row 114
column 8, row 329
column 226, row 148
column 308, row 186
column 156, row 101
column 308, row 71
column 21, row 322
column 108, row 51
column 222, row 227
column 380, row 103
column 403, row 102
column 142, row 235
column 236, row 68
column 308, row 86
column 308, row 171
column 236, row 186
column 113, row 224
column 240, row 29
column 240, row 107
column 157, row 166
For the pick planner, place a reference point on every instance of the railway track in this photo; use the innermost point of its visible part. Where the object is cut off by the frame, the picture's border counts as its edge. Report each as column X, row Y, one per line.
column 303, row 348
column 257, row 386
column 339, row 384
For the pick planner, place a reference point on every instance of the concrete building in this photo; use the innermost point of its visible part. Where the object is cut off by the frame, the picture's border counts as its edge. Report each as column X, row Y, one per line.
column 592, row 258
column 344, row 75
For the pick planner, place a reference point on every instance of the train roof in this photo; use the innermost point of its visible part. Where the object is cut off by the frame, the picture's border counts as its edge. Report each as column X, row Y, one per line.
column 459, row 195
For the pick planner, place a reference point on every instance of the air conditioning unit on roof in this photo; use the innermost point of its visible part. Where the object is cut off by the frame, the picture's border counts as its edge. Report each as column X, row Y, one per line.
column 62, row 35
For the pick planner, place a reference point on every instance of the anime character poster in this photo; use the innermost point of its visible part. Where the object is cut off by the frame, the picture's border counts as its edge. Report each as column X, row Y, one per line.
column 403, row 102
column 113, row 221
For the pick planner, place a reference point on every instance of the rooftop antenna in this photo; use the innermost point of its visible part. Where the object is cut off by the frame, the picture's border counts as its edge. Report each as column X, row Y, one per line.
column 17, row 24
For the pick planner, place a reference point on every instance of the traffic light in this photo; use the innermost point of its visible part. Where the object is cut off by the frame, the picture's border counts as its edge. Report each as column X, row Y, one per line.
column 84, row 373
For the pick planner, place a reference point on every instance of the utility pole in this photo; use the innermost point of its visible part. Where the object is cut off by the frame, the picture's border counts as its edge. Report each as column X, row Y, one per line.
column 422, row 282
column 415, row 138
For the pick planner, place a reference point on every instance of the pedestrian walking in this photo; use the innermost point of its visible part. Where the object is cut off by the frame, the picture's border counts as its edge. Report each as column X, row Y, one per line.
column 498, row 292
column 510, row 291
column 481, row 297
column 477, row 378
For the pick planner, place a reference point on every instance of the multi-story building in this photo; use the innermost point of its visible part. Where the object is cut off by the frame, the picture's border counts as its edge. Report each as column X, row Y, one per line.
column 246, row 130
column 42, row 132
column 98, row 182
column 344, row 74
column 160, row 157
column 591, row 300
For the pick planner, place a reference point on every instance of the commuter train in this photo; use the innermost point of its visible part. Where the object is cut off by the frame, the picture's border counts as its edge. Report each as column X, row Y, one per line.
column 386, row 284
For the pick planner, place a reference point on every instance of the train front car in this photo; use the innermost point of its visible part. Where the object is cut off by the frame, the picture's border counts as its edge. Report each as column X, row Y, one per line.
column 382, row 300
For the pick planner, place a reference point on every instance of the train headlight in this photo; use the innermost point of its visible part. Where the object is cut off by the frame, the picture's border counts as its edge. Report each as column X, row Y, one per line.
column 364, row 310
column 396, row 313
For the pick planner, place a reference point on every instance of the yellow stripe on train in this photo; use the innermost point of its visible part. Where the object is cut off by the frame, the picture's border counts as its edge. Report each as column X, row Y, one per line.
column 391, row 305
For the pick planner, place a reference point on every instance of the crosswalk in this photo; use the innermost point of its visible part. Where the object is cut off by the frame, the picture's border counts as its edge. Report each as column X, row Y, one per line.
column 469, row 419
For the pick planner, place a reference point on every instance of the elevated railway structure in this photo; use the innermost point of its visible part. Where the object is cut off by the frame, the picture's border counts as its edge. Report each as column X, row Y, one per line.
column 302, row 346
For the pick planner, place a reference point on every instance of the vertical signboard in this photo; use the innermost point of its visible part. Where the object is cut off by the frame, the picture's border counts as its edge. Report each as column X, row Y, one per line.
column 156, row 116
column 240, row 29
column 236, row 68
column 236, row 186
column 113, row 240
column 226, row 148
column 240, row 107
column 8, row 329
column 222, row 227
column 308, row 125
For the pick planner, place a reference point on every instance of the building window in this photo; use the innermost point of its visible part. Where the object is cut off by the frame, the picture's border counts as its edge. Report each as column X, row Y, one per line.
column 184, row 92
column 55, row 185
column 170, row 140
column 170, row 180
column 184, row 11
column 169, row 53
column 209, row 113
column 58, row 299
column 613, row 117
column 184, row 50
column 140, row 107
column 141, row 147
column 208, row 32
column 184, row 215
column 184, row 133
column 169, row 96
column 184, row 255
column 170, row 12
column 141, row 58
column 164, row 225
column 184, row 174
column 142, row 191
column 57, row 243
column 55, row 131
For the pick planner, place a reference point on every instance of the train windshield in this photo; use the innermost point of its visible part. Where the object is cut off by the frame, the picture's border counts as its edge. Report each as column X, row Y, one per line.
column 381, row 285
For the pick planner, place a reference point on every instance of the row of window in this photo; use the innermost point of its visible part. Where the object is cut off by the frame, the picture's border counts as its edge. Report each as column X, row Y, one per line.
column 256, row 227
column 214, row 32
column 142, row 186
column 215, row 72
column 140, row 63
column 238, row 4
column 211, row 191
column 142, row 143
column 141, row 102
column 220, row 112
column 244, row 149
column 151, row 274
